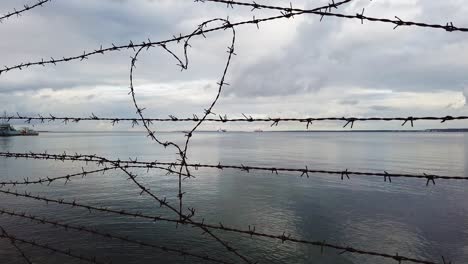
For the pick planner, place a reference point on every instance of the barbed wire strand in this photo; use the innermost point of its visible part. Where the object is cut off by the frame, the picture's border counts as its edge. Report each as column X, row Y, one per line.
column 13, row 243
column 82, row 174
column 183, row 65
column 183, row 217
column 42, row 220
column 252, row 232
column 449, row 27
column 85, row 55
column 163, row 202
column 303, row 172
column 25, row 8
column 67, row 252
column 182, row 154
column 152, row 134
column 247, row 118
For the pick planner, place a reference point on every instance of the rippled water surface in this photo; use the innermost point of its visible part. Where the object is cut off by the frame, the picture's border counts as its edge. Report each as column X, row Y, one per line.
column 404, row 216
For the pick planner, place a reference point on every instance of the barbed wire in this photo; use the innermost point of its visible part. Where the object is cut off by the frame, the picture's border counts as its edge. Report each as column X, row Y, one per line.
column 250, row 232
column 67, row 252
column 181, row 167
column 49, row 180
column 42, row 220
column 131, row 45
column 182, row 217
column 303, row 172
column 183, row 65
column 224, row 119
column 82, row 174
column 182, row 153
column 132, row 176
column 24, row 9
column 13, row 243
column 449, row 27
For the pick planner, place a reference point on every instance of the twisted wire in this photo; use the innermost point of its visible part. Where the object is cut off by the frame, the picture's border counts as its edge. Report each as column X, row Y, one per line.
column 131, row 45
column 24, row 9
column 449, row 27
column 49, row 180
column 82, row 174
column 182, row 217
column 303, row 172
column 250, row 232
column 13, row 243
column 182, row 154
column 67, row 252
column 41, row 220
column 224, row 119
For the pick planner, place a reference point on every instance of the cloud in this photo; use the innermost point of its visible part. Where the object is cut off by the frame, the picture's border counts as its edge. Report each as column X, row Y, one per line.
column 347, row 54
column 465, row 94
column 297, row 67
column 349, row 102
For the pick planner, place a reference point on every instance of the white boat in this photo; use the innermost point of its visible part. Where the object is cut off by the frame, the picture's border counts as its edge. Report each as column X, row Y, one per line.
column 6, row 130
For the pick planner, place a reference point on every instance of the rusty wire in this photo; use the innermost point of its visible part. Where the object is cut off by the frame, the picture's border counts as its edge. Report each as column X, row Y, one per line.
column 251, row 231
column 224, row 119
column 25, row 8
column 42, row 220
column 303, row 172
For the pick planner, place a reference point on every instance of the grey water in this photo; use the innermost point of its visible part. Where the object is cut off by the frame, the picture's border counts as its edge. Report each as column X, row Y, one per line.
column 404, row 216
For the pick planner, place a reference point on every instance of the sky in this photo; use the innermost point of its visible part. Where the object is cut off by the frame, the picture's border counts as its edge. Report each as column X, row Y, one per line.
column 297, row 67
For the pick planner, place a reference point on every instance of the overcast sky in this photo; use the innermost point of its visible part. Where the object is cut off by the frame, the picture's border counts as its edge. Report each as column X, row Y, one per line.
column 298, row 67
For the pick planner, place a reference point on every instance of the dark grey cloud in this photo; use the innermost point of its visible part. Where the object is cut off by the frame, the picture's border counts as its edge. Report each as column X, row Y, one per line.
column 380, row 108
column 349, row 102
column 38, row 84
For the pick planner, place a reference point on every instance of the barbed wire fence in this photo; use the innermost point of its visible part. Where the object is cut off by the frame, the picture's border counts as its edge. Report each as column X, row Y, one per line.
column 25, row 8
column 182, row 168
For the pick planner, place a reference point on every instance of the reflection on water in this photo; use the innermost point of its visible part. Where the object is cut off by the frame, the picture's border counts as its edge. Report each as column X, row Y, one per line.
column 5, row 143
column 405, row 216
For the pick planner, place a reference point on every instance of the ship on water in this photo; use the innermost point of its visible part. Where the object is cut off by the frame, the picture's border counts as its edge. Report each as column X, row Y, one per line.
column 6, row 130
